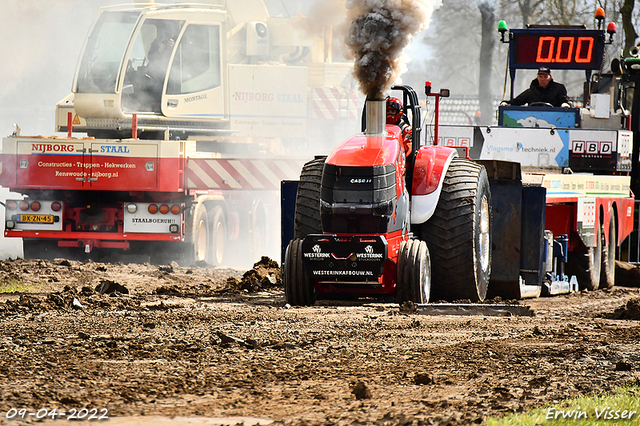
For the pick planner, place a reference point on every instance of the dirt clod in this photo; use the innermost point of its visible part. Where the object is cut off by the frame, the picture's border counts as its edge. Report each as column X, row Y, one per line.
column 423, row 379
column 630, row 311
column 361, row 391
column 108, row 286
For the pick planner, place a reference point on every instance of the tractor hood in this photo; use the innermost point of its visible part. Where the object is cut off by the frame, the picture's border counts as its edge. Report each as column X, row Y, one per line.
column 367, row 151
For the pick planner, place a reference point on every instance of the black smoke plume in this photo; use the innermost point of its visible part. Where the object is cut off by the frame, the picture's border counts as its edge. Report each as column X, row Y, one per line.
column 379, row 31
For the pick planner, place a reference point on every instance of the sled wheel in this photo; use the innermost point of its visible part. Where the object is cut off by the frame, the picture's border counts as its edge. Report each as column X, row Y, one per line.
column 585, row 265
column 608, row 268
column 298, row 290
column 307, row 216
column 414, row 272
column 459, row 234
column 201, row 234
column 218, row 236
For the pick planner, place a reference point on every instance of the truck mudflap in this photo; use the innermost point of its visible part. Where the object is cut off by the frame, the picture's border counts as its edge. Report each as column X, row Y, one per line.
column 348, row 259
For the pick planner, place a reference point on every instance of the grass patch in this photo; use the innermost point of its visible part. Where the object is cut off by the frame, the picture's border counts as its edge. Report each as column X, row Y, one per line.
column 617, row 408
column 14, row 286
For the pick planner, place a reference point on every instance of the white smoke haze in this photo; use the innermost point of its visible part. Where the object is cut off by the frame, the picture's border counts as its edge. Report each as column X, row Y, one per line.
column 378, row 33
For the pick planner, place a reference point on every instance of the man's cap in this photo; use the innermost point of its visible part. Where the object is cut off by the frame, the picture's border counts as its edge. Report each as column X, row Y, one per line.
column 544, row 70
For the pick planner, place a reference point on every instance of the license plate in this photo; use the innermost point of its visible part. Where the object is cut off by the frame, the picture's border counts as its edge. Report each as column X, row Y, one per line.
column 35, row 218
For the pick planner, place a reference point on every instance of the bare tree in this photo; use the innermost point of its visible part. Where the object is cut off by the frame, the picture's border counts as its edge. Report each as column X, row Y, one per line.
column 487, row 46
column 627, row 24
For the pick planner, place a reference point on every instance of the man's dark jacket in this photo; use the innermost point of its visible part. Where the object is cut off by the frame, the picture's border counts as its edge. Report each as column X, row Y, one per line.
column 555, row 94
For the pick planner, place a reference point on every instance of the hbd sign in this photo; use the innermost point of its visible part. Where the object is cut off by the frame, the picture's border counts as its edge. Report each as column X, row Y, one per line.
column 592, row 147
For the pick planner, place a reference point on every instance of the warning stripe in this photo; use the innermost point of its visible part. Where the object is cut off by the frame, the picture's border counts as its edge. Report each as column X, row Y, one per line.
column 353, row 104
column 326, row 103
column 244, row 174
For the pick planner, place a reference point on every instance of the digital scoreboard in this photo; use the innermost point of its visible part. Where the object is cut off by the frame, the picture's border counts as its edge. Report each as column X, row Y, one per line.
column 557, row 48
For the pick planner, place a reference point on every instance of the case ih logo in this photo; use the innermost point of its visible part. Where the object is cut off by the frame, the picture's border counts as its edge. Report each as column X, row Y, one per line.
column 592, row 147
column 49, row 147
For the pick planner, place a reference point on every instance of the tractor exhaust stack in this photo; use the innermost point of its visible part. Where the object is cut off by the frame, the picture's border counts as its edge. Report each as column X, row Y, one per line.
column 376, row 115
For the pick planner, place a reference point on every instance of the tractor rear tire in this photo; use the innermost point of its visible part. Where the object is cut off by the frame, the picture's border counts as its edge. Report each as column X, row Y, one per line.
column 298, row 289
column 586, row 264
column 414, row 272
column 459, row 234
column 307, row 217
column 608, row 269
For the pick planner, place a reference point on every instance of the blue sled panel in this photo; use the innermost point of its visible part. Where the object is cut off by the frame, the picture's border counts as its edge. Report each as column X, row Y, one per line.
column 288, row 192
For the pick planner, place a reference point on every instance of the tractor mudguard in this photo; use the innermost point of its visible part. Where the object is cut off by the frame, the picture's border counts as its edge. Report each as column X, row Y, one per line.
column 430, row 168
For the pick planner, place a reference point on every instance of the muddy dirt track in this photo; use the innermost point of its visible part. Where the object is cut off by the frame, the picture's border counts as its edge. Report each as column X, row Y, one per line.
column 208, row 342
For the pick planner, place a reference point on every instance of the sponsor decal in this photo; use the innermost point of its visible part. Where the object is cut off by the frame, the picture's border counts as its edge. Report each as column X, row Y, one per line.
column 592, row 147
column 147, row 220
column 289, row 98
column 344, row 273
column 195, row 98
column 114, row 149
column 50, row 147
column 317, row 253
column 361, row 180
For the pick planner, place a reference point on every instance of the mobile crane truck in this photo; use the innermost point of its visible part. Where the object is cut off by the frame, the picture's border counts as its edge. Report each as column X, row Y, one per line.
column 193, row 114
column 540, row 210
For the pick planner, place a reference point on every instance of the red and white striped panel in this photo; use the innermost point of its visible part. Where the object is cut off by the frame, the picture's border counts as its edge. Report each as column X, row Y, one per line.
column 326, row 103
column 352, row 107
column 243, row 174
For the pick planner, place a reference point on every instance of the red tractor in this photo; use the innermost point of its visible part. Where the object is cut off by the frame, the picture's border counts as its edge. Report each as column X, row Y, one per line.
column 368, row 216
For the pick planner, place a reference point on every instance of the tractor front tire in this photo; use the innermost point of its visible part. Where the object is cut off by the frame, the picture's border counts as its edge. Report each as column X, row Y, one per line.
column 298, row 289
column 459, row 234
column 414, row 272
column 307, row 217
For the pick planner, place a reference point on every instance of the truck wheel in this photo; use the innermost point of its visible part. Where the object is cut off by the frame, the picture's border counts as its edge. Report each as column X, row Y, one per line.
column 608, row 268
column 585, row 265
column 298, row 290
column 218, row 236
column 459, row 234
column 307, row 216
column 201, row 235
column 414, row 272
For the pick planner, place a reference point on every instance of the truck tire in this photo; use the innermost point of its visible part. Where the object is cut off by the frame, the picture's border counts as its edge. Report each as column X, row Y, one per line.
column 586, row 264
column 307, row 217
column 201, row 235
column 413, row 277
column 608, row 268
column 298, row 290
column 459, row 234
column 218, row 226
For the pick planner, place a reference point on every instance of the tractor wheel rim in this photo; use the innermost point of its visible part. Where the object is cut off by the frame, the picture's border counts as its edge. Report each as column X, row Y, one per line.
column 485, row 236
